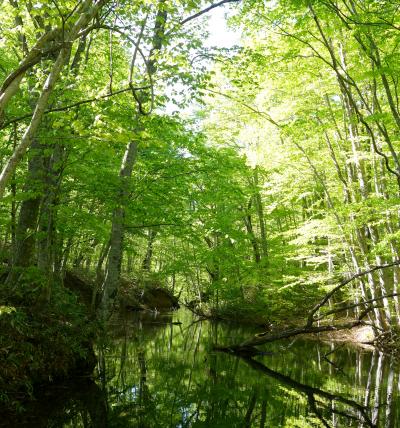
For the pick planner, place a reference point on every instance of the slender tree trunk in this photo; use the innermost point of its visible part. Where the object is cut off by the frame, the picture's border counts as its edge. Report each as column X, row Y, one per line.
column 25, row 236
column 250, row 232
column 146, row 264
column 47, row 220
column 99, row 272
column 260, row 214
column 114, row 262
column 113, row 270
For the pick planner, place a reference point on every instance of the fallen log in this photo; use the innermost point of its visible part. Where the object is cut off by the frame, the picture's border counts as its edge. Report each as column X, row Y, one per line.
column 309, row 327
column 266, row 337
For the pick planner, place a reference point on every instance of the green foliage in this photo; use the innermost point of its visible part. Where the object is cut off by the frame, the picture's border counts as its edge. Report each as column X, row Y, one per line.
column 41, row 342
column 254, row 196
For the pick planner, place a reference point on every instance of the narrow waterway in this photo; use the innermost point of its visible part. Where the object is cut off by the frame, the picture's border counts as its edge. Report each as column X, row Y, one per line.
column 160, row 371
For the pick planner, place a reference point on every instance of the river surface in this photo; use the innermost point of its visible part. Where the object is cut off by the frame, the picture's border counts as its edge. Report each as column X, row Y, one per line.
column 160, row 371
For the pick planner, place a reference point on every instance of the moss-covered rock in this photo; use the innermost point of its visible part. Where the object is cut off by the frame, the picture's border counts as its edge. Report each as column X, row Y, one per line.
column 150, row 295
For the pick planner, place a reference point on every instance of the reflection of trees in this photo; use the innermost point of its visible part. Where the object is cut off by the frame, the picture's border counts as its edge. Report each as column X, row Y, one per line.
column 163, row 375
column 145, row 404
column 129, row 324
column 389, row 397
column 123, row 365
column 80, row 402
column 359, row 412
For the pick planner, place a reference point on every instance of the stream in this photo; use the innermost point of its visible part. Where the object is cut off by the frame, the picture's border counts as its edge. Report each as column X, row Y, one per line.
column 160, row 371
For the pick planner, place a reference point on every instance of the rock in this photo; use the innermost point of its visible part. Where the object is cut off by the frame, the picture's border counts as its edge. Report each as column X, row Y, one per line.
column 151, row 297
column 82, row 288
column 160, row 299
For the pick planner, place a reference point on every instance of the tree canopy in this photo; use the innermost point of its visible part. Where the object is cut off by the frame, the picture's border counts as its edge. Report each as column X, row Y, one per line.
column 247, row 180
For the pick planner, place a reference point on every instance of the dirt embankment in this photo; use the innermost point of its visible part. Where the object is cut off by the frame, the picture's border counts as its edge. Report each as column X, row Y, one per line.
column 361, row 336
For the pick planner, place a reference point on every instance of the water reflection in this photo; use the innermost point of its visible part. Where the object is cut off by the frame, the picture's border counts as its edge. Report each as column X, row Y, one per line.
column 77, row 403
column 323, row 404
column 172, row 379
column 159, row 371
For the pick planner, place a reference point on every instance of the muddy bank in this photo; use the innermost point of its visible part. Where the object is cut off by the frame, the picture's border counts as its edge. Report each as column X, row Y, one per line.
column 361, row 336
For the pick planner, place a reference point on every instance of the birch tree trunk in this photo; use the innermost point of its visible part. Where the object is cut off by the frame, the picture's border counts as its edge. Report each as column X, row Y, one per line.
column 89, row 11
column 114, row 261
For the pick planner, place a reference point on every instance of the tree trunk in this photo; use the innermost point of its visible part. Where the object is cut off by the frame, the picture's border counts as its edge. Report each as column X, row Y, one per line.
column 25, row 236
column 113, row 270
column 47, row 220
column 87, row 12
column 250, row 232
column 146, row 264
column 260, row 214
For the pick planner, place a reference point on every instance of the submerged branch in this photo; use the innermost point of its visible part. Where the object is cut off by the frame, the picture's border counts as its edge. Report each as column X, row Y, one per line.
column 266, row 337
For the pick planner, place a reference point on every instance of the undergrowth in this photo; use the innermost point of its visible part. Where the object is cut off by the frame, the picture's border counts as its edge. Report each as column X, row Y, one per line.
column 40, row 342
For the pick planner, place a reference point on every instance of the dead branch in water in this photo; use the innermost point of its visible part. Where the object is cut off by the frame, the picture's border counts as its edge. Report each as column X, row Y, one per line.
column 309, row 327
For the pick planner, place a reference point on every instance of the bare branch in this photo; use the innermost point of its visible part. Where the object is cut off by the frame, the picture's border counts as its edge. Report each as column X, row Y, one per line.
column 206, row 10
column 355, row 305
column 343, row 283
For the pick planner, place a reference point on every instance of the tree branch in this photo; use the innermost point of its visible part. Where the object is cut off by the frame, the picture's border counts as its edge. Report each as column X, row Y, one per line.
column 77, row 104
column 206, row 10
column 355, row 305
column 308, row 328
column 310, row 318
column 145, row 226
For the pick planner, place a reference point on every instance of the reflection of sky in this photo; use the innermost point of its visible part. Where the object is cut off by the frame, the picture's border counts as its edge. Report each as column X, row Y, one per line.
column 186, row 413
column 134, row 392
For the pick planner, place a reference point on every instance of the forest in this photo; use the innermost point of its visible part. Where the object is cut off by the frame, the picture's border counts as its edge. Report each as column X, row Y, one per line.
column 200, row 190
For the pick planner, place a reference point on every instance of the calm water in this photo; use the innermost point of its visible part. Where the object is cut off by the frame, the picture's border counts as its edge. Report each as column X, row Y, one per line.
column 161, row 372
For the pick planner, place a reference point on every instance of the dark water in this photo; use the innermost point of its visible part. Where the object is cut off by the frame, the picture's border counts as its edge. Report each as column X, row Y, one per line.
column 157, row 372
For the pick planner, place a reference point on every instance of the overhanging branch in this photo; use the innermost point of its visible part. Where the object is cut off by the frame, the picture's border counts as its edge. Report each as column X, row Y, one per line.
column 309, row 328
column 310, row 318
column 206, row 10
column 77, row 104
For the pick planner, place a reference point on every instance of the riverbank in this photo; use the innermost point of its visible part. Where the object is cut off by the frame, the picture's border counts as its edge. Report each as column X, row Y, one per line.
column 160, row 370
column 362, row 336
column 41, row 342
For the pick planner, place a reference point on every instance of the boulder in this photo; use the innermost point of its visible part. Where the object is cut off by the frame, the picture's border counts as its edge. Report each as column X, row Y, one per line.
column 160, row 299
column 80, row 286
column 148, row 298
